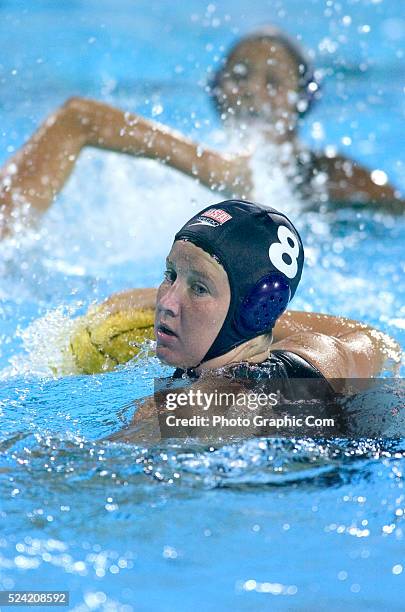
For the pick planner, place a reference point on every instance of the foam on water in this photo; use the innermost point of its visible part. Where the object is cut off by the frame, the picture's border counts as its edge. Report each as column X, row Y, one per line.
column 45, row 347
column 128, row 213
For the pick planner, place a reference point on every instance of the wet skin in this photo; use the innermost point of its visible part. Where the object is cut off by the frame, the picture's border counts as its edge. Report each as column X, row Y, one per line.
column 192, row 303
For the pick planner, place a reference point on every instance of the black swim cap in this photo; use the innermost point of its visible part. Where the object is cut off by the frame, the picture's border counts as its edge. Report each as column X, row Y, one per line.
column 262, row 254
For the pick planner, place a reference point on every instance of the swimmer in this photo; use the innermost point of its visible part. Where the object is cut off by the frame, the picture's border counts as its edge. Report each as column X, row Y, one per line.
column 263, row 87
column 231, row 273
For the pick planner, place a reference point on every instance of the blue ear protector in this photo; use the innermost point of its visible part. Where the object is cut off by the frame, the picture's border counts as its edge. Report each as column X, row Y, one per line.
column 264, row 303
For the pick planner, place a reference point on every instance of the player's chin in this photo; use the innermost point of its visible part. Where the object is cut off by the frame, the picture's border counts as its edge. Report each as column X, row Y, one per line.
column 176, row 359
column 168, row 355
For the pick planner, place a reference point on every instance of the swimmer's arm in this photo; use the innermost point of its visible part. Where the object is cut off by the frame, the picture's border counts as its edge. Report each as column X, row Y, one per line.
column 39, row 170
column 110, row 128
column 144, row 427
column 348, row 181
column 338, row 347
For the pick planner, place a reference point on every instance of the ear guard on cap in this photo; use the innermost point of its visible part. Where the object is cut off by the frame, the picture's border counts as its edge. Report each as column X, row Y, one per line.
column 264, row 303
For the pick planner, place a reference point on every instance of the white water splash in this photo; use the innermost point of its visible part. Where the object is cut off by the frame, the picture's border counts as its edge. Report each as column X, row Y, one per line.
column 46, row 347
column 128, row 211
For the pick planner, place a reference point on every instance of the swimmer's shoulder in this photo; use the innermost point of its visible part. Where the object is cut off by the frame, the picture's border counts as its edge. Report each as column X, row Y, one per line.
column 325, row 354
column 339, row 348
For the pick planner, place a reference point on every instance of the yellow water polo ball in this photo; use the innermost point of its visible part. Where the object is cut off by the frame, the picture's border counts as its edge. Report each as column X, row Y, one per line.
column 101, row 339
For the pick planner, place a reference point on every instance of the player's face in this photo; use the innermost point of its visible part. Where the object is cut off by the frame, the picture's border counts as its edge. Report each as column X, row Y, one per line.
column 259, row 81
column 192, row 304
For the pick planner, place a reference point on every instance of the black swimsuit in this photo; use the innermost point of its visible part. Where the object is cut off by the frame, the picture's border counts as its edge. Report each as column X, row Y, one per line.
column 280, row 364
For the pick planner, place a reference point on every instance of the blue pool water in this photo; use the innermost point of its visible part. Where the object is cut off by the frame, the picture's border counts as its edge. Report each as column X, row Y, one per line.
column 264, row 524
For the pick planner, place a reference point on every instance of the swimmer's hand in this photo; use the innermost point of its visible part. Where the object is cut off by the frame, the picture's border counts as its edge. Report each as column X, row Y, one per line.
column 113, row 332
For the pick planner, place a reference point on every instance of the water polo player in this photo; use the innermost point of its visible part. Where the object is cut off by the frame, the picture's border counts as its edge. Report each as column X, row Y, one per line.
column 238, row 266
column 264, row 85
column 231, row 273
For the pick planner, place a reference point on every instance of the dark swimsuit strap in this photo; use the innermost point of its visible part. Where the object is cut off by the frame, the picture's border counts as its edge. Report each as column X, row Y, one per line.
column 293, row 366
column 296, row 366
